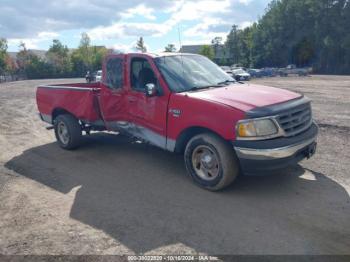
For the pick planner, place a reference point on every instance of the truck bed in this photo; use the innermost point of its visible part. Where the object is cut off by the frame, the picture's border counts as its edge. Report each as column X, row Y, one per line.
column 81, row 100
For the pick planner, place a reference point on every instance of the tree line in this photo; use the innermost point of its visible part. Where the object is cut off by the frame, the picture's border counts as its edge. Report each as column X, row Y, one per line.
column 312, row 33
column 59, row 61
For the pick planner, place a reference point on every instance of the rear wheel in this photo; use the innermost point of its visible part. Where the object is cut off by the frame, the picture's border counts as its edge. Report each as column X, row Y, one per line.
column 211, row 162
column 68, row 131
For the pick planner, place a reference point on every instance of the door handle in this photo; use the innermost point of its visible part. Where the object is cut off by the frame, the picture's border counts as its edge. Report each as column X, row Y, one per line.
column 116, row 94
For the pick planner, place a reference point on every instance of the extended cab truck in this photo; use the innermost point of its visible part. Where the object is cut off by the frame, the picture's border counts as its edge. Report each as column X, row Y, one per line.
column 185, row 103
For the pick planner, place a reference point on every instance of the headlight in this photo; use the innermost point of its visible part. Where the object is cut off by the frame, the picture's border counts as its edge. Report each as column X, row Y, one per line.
column 256, row 128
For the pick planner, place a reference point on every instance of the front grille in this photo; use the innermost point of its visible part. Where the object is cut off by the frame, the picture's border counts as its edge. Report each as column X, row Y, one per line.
column 295, row 120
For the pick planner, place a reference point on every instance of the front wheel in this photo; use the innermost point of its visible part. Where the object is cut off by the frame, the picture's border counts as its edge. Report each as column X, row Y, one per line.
column 211, row 162
column 68, row 131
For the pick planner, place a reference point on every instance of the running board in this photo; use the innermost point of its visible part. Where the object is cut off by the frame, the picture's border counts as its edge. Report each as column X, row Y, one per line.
column 50, row 127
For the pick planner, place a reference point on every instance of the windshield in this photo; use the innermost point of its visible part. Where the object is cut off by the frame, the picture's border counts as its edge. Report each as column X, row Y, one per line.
column 190, row 72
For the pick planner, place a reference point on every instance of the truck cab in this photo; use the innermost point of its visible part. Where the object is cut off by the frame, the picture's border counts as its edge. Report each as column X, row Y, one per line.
column 185, row 103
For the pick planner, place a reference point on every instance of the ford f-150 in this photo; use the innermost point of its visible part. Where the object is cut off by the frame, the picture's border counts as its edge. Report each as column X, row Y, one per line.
column 185, row 103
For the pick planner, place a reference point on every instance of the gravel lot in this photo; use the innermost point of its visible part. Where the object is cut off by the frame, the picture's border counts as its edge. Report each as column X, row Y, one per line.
column 114, row 196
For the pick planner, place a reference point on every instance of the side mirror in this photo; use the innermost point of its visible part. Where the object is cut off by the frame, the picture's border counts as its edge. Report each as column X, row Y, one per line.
column 151, row 90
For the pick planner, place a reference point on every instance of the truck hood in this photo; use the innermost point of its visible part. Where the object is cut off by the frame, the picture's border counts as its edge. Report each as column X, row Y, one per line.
column 245, row 96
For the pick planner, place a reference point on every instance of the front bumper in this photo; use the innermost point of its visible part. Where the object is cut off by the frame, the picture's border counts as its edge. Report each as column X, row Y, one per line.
column 259, row 157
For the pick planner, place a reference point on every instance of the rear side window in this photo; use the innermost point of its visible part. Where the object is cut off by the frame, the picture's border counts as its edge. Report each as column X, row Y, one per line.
column 114, row 73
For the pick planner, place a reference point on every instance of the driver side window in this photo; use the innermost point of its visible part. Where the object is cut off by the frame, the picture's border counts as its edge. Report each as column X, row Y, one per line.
column 141, row 74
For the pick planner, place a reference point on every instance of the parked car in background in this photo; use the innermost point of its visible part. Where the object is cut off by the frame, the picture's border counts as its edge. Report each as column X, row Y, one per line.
column 257, row 73
column 294, row 70
column 241, row 75
column 90, row 77
column 236, row 66
column 226, row 68
column 269, row 72
column 98, row 77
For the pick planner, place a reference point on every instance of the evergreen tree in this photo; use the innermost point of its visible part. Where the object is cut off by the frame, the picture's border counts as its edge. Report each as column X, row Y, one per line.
column 170, row 48
column 302, row 32
column 140, row 45
column 216, row 43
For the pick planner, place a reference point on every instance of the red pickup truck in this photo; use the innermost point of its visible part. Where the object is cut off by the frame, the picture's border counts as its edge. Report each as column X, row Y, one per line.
column 185, row 103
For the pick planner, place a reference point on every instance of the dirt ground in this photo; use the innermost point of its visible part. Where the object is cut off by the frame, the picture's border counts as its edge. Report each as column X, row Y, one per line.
column 114, row 196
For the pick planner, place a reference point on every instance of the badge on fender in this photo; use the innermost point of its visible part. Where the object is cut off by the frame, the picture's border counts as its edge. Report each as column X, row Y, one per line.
column 175, row 112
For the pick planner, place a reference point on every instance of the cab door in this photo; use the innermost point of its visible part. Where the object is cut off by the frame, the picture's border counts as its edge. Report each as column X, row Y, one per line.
column 148, row 114
column 113, row 105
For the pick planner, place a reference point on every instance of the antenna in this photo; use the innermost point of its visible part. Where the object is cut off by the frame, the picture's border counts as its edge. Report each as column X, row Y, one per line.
column 179, row 33
column 180, row 51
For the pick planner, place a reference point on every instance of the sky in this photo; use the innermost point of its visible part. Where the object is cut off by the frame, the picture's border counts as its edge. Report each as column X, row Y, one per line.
column 119, row 23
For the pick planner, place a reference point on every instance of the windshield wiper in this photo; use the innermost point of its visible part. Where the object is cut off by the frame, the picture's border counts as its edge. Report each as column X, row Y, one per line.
column 227, row 82
column 202, row 87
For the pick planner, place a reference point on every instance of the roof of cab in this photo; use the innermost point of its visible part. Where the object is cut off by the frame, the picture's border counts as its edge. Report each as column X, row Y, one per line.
column 161, row 54
column 168, row 54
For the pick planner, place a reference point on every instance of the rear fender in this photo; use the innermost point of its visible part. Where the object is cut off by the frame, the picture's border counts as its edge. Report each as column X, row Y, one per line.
column 59, row 111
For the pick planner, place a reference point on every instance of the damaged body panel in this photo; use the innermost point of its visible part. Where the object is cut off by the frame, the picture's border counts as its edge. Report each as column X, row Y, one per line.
column 170, row 100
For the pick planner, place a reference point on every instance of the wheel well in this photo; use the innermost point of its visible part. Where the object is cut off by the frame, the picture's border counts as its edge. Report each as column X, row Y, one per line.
column 186, row 136
column 59, row 111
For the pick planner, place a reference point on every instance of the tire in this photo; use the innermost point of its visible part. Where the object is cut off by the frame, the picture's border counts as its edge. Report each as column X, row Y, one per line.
column 222, row 162
column 68, row 131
